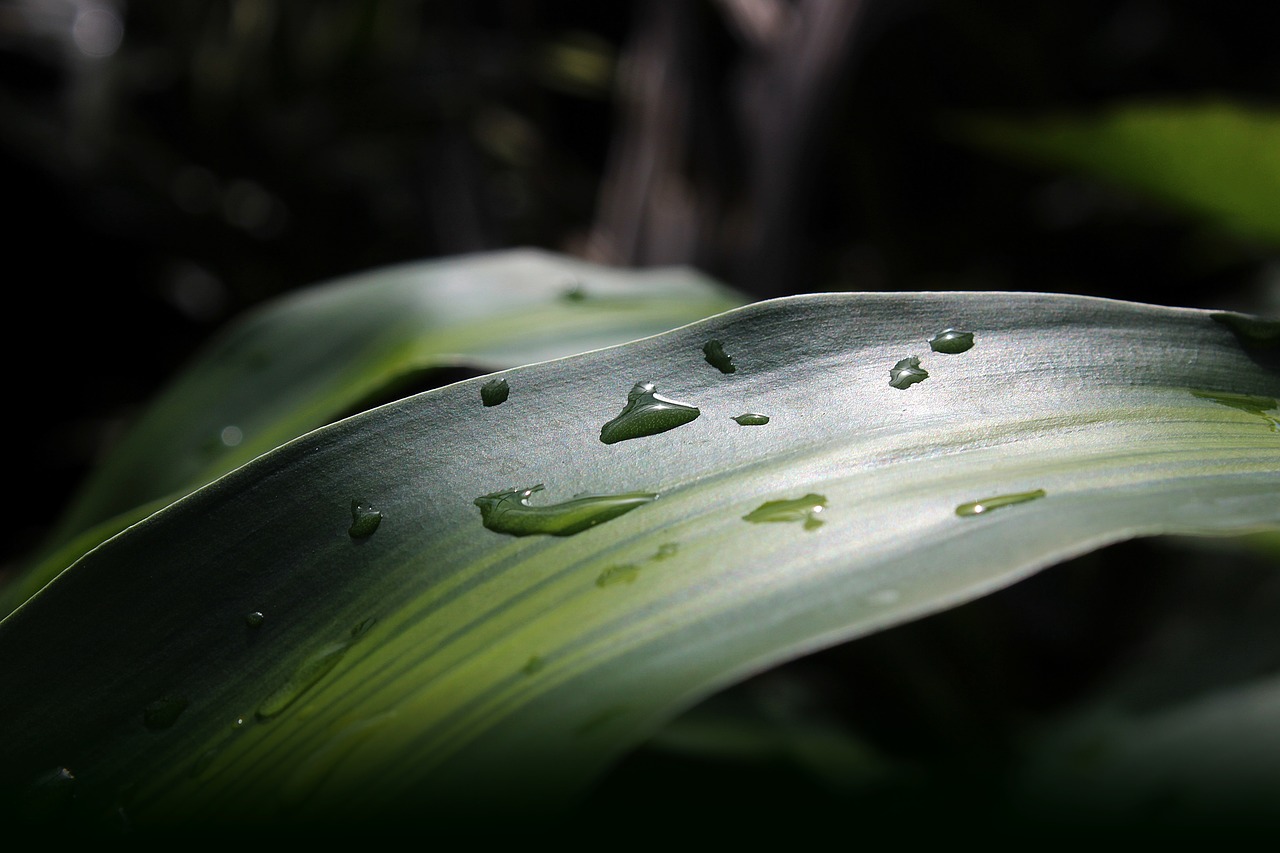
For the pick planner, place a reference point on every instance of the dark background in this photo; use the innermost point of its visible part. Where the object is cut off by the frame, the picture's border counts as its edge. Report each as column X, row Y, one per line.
column 167, row 165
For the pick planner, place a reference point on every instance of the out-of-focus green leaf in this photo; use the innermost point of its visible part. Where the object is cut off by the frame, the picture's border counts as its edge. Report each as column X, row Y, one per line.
column 438, row 669
column 1218, row 160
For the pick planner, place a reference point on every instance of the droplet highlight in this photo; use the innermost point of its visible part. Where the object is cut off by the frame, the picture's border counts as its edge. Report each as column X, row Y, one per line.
column 752, row 419
column 997, row 501
column 364, row 520
column 510, row 512
column 309, row 673
column 614, row 575
column 907, row 372
column 163, row 712
column 805, row 510
column 495, row 392
column 254, row 619
column 1253, row 404
column 717, row 357
column 646, row 413
column 951, row 341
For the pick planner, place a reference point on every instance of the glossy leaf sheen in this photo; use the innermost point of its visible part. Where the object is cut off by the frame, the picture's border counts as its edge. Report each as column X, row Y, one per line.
column 437, row 706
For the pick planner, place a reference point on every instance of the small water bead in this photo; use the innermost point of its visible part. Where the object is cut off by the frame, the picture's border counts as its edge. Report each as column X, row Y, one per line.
column 231, row 436
column 951, row 341
column 666, row 551
column 805, row 509
column 1253, row 404
column 646, row 413
column 364, row 520
column 752, row 419
column 575, row 292
column 996, row 502
column 533, row 665
column 254, row 619
column 717, row 357
column 495, row 392
column 309, row 672
column 509, row 511
column 626, row 573
column 907, row 372
column 163, row 712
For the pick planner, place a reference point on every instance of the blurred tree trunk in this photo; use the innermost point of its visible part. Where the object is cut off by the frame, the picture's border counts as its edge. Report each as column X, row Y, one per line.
column 721, row 126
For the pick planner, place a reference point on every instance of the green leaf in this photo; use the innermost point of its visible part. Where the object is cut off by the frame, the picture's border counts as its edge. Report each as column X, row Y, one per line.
column 307, row 359
column 1217, row 160
column 438, row 669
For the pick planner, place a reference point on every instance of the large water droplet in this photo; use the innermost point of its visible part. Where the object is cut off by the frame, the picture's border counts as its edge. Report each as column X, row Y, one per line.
column 364, row 520
column 495, row 392
column 163, row 712
column 625, row 573
column 805, row 509
column 951, row 341
column 907, row 372
column 309, row 672
column 1254, row 405
column 752, row 419
column 997, row 501
column 717, row 357
column 509, row 511
column 254, row 619
column 646, row 413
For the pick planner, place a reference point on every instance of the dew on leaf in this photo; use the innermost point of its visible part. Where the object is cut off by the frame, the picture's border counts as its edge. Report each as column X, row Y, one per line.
column 995, row 502
column 717, row 357
column 309, row 672
column 951, row 341
column 364, row 520
column 163, row 712
column 575, row 292
column 49, row 795
column 1253, row 404
column 625, row 573
column 907, row 372
column 666, row 551
column 752, row 419
column 646, row 413
column 254, row 619
column 231, row 436
column 494, row 392
column 509, row 511
column 804, row 510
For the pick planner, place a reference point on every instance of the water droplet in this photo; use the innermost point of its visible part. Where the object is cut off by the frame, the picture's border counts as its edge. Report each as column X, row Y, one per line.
column 364, row 520
column 163, row 712
column 239, row 723
column 951, row 341
column 1250, row 403
column 575, row 292
column 231, row 436
column 533, row 665
column 309, row 673
column 254, row 619
column 49, row 795
column 666, row 551
column 625, row 573
column 805, row 509
column 717, row 357
column 646, row 413
column 988, row 504
column 907, row 372
column 494, row 392
column 752, row 419
column 509, row 511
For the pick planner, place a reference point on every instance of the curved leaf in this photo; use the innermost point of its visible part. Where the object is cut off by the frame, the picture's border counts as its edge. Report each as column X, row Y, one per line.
column 437, row 664
column 304, row 360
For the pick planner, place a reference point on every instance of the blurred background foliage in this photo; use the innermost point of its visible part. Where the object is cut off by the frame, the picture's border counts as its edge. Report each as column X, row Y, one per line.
column 167, row 165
